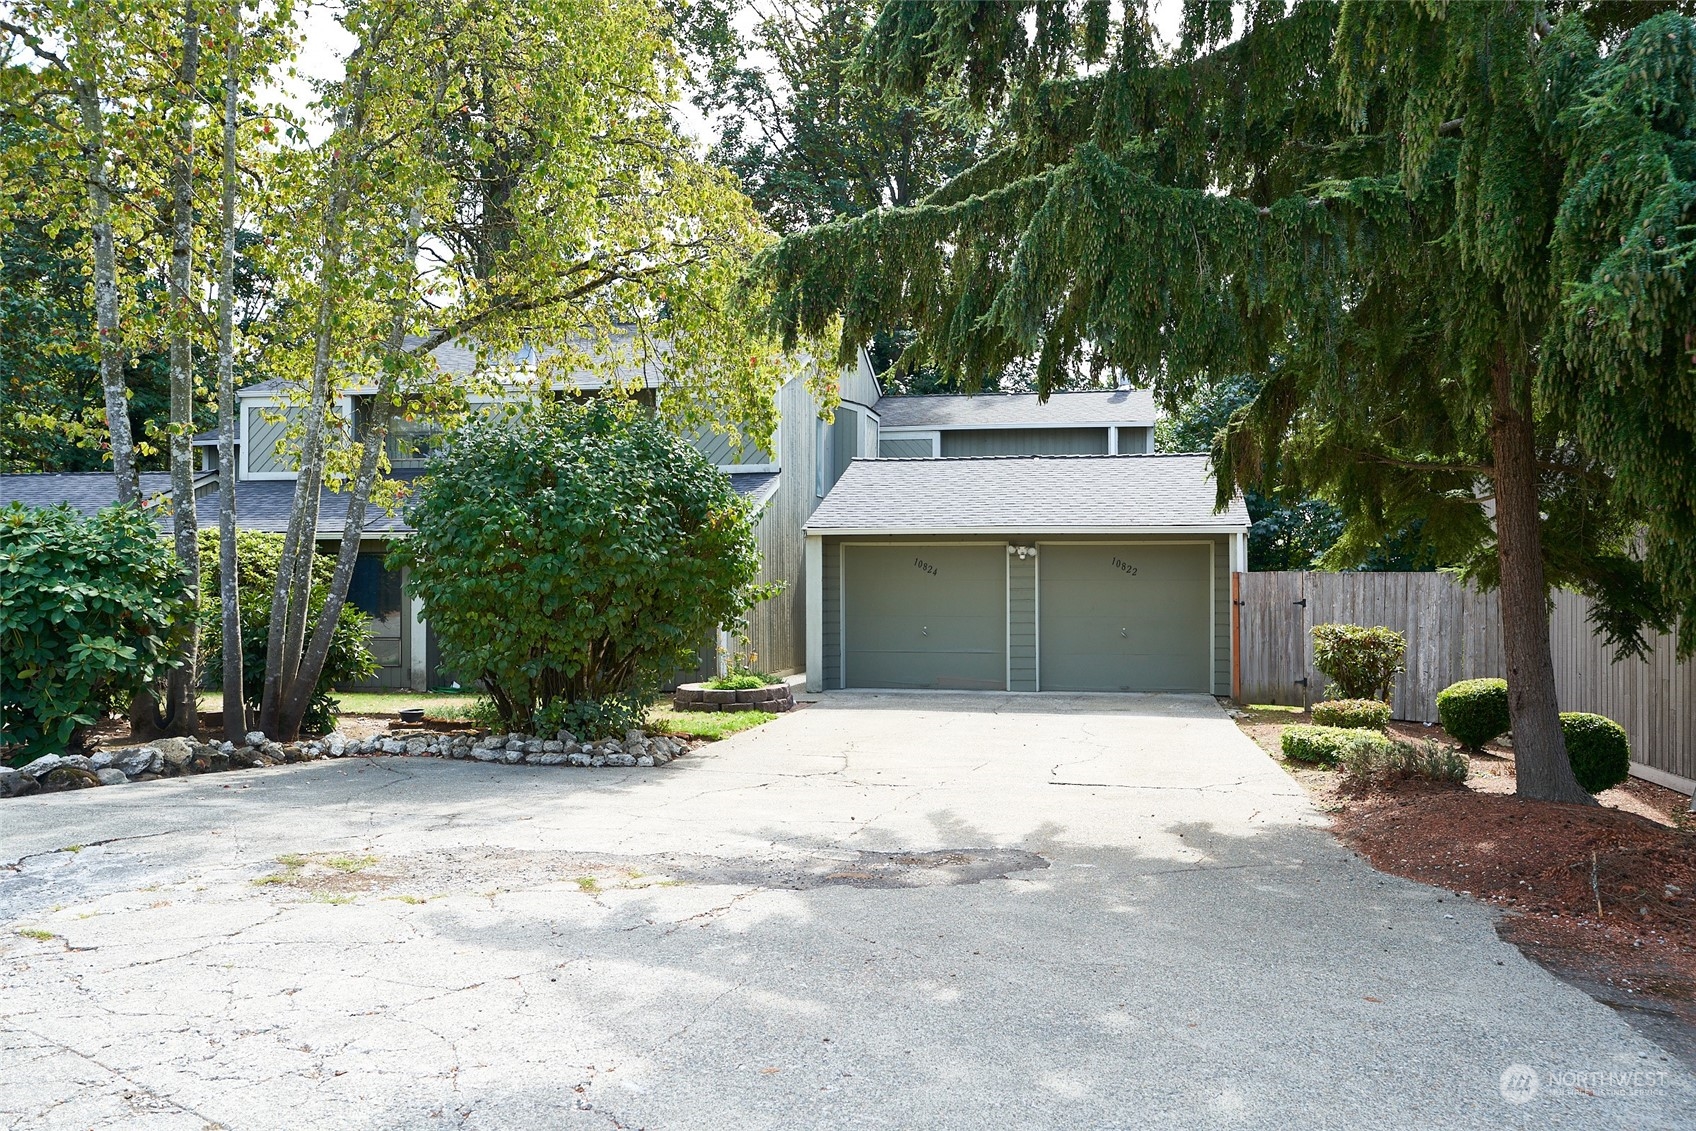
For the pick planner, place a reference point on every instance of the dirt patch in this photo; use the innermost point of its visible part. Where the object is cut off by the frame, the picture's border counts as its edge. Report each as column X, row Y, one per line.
column 1603, row 897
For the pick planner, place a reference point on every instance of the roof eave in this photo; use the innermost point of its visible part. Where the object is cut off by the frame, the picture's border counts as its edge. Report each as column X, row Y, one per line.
column 1023, row 530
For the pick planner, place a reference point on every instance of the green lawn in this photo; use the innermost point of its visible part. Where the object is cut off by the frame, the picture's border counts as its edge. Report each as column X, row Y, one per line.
column 438, row 704
column 705, row 724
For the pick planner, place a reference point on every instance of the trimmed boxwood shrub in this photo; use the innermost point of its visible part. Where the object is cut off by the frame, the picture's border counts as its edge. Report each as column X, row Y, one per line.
column 89, row 616
column 1361, row 662
column 1323, row 745
column 1368, row 714
column 1474, row 711
column 1598, row 749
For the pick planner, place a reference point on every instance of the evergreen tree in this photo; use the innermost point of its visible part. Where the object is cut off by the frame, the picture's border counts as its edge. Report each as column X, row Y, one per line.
column 1466, row 235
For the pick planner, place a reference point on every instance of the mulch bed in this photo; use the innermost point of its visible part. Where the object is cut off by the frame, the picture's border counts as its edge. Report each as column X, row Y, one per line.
column 1608, row 893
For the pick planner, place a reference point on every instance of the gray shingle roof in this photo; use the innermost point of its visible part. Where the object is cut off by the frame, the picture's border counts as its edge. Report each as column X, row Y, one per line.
column 755, row 485
column 1026, row 495
column 87, row 491
column 998, row 410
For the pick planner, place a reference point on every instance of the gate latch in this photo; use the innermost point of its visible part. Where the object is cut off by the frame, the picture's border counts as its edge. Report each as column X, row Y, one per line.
column 1302, row 602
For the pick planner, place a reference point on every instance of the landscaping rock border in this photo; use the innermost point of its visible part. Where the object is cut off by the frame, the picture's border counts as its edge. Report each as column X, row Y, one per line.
column 180, row 757
column 777, row 697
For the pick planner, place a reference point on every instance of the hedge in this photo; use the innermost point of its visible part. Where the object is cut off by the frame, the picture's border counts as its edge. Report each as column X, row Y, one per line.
column 1359, row 714
column 1474, row 711
column 1598, row 749
column 1324, row 745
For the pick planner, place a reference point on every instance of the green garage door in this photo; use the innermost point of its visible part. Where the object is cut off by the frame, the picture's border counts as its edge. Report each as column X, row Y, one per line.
column 1127, row 617
column 925, row 616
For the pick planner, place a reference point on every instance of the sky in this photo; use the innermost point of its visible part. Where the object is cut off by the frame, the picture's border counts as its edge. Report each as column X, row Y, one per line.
column 324, row 44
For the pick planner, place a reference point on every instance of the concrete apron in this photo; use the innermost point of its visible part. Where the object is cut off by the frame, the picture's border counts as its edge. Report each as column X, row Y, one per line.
column 885, row 910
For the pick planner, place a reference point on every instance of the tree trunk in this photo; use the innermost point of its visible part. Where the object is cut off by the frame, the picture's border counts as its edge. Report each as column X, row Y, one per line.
column 109, row 339
column 353, row 526
column 235, row 708
column 291, row 599
column 1541, row 768
column 182, row 711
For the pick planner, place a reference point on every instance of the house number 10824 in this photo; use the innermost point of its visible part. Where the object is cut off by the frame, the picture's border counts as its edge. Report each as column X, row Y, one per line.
column 924, row 565
column 1124, row 566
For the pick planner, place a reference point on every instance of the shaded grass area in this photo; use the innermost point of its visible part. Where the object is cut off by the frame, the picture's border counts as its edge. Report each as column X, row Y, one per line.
column 712, row 725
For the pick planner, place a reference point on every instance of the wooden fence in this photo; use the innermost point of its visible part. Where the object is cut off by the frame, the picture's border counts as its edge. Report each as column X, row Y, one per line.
column 1454, row 632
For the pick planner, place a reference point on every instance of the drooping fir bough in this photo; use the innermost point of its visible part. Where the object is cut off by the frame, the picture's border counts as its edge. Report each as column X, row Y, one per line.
column 1455, row 244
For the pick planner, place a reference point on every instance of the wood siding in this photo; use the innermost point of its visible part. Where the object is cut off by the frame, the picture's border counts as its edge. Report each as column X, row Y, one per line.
column 1024, row 442
column 1021, row 623
column 1454, row 633
column 905, row 449
column 777, row 628
column 263, row 435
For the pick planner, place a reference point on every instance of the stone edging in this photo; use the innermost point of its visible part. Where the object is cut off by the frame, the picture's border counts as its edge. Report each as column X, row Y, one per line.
column 776, row 697
column 180, row 757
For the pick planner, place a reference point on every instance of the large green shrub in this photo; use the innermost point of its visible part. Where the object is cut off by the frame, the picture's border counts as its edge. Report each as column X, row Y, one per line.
column 1369, row 714
column 1474, row 711
column 1361, row 662
column 576, row 554
column 88, row 617
column 1598, row 749
column 257, row 555
column 1323, row 745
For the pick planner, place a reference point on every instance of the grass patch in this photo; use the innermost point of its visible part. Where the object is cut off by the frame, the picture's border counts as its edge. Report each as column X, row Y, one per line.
column 327, row 897
column 274, row 878
column 292, row 860
column 712, row 725
column 73, row 848
column 412, row 899
column 36, row 933
column 437, row 704
column 350, row 864
column 588, row 885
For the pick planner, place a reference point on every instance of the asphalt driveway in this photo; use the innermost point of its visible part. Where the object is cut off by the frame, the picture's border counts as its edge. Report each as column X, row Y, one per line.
column 883, row 911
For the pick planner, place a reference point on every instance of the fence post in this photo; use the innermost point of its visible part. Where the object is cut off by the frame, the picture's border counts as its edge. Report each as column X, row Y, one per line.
column 1237, row 636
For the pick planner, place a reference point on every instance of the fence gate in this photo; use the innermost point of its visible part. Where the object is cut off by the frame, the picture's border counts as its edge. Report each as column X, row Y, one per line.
column 1274, row 638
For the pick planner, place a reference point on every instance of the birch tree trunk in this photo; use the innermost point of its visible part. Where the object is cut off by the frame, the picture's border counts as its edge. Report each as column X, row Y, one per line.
column 181, row 713
column 107, row 331
column 235, row 709
column 1542, row 770
column 291, row 598
column 353, row 527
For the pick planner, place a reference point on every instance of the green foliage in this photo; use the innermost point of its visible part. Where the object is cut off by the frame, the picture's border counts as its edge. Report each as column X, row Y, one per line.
column 593, row 719
column 1364, row 714
column 88, row 617
column 742, row 681
column 1409, row 222
column 576, row 554
column 1321, row 745
column 1362, row 662
column 1382, row 760
column 1474, row 711
column 1598, row 748
column 257, row 554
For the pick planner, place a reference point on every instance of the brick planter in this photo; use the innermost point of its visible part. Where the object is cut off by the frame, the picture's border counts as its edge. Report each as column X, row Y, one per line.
column 775, row 697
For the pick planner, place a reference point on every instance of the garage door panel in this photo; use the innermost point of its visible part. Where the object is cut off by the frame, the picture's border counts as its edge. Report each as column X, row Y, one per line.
column 1125, row 617
column 925, row 616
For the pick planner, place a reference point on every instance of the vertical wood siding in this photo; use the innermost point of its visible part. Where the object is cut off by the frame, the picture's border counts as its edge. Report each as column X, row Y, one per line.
column 1453, row 633
column 1021, row 623
column 1025, row 442
column 777, row 628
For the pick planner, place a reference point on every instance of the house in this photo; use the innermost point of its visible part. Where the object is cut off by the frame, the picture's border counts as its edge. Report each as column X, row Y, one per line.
column 989, row 542
column 999, row 543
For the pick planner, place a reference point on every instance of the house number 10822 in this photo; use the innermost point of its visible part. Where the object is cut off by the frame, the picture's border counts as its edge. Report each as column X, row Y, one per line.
column 1124, row 566
column 924, row 565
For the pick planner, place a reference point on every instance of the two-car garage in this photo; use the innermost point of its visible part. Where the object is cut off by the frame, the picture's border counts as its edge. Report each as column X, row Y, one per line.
column 955, row 574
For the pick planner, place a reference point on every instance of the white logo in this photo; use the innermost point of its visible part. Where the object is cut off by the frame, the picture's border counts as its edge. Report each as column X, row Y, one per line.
column 1519, row 1083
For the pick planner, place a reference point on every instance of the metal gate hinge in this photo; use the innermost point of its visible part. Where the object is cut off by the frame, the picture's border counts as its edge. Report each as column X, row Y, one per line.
column 1302, row 602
